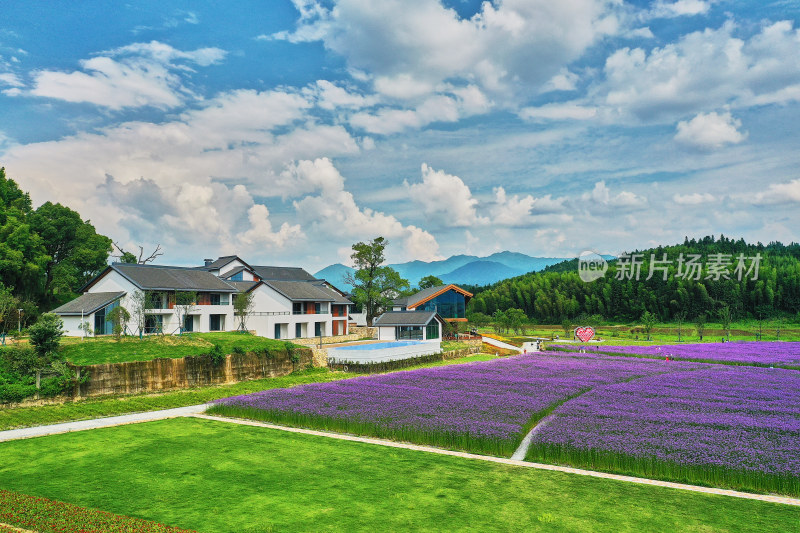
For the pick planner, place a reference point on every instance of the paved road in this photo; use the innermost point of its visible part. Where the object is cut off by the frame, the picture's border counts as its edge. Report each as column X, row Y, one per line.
column 82, row 425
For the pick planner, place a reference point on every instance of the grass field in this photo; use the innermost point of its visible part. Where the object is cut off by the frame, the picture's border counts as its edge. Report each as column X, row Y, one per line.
column 107, row 350
column 100, row 407
column 217, row 477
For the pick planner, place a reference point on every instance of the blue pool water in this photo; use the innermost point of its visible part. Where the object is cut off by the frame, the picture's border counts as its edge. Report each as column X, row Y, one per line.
column 379, row 345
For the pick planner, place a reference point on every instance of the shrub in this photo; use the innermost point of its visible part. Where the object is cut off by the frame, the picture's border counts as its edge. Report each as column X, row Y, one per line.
column 16, row 392
column 239, row 350
column 216, row 354
column 20, row 360
column 46, row 334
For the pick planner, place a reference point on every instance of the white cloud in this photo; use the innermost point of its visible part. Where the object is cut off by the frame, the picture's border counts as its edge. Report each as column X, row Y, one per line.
column 333, row 212
column 601, row 196
column 410, row 47
column 711, row 68
column 10, row 79
column 446, row 198
column 777, row 193
column 695, row 198
column 708, row 131
column 563, row 81
column 332, row 97
column 137, row 75
column 566, row 111
column 679, row 8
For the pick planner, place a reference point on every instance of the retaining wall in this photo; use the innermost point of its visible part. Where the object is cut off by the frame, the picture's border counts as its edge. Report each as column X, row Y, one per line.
column 194, row 371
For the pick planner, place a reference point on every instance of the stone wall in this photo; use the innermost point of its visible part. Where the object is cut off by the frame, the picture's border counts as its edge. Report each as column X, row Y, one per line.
column 197, row 371
column 364, row 332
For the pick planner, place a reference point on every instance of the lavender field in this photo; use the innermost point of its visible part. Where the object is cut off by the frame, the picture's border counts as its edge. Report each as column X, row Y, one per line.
column 783, row 354
column 721, row 425
column 482, row 407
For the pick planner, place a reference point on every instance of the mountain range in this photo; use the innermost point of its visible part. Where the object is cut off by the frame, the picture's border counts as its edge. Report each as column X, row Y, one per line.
column 458, row 269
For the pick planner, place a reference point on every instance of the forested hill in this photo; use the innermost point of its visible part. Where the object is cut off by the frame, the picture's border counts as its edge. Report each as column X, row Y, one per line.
column 558, row 292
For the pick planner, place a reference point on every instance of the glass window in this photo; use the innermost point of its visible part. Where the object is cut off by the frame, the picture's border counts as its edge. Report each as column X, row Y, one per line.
column 432, row 330
column 277, row 331
column 215, row 299
column 407, row 333
column 297, row 308
column 450, row 304
column 298, row 330
column 239, row 276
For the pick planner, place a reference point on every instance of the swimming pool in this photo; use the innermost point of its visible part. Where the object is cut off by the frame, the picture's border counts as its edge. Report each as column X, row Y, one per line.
column 381, row 352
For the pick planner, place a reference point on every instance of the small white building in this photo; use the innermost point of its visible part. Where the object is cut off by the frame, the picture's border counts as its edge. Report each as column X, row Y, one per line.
column 409, row 325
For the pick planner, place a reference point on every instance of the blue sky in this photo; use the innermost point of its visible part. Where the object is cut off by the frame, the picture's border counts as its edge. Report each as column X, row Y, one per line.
column 286, row 131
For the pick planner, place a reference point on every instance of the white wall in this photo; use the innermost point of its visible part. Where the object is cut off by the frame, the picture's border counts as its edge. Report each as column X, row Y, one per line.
column 72, row 323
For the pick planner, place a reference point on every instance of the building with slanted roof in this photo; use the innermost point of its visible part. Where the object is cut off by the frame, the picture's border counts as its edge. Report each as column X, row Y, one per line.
column 449, row 301
column 409, row 325
column 288, row 302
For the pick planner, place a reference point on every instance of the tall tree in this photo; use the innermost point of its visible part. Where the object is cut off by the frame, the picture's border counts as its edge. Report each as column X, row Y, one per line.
column 430, row 281
column 76, row 252
column 374, row 285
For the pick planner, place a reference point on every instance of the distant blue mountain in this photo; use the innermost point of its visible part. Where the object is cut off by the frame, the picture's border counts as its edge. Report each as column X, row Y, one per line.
column 463, row 269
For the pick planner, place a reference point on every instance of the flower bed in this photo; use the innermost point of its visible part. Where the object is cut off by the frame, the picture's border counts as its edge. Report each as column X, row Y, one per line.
column 48, row 516
column 783, row 354
column 721, row 426
column 484, row 407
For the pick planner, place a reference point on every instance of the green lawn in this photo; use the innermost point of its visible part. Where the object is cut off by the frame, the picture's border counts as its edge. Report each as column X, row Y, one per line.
column 107, row 350
column 218, row 477
column 100, row 407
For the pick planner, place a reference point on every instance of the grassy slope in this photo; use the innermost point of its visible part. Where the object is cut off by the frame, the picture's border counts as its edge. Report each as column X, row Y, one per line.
column 108, row 350
column 99, row 407
column 216, row 477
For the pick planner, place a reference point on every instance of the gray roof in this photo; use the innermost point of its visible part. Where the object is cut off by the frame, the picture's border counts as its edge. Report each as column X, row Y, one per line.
column 301, row 291
column 220, row 262
column 169, row 278
column 338, row 297
column 243, row 286
column 273, row 273
column 88, row 303
column 403, row 300
column 404, row 318
column 229, row 274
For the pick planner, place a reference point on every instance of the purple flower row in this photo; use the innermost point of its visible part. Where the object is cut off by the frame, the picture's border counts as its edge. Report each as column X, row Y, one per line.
column 754, row 353
column 740, row 418
column 494, row 399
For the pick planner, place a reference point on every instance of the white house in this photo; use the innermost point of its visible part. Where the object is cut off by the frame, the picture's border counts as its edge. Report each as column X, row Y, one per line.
column 409, row 325
column 288, row 302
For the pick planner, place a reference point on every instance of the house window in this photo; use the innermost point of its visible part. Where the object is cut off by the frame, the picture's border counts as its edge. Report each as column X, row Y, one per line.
column 317, row 308
column 216, row 322
column 215, row 299
column 297, row 308
column 432, row 330
column 277, row 331
column 239, row 276
column 317, row 328
column 188, row 323
column 155, row 300
column 153, row 324
column 298, row 330
column 408, row 333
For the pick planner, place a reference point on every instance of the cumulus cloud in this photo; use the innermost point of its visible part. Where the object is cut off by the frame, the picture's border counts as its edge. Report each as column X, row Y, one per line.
column 703, row 69
column 446, row 198
column 708, row 131
column 137, row 75
column 601, row 196
column 565, row 111
column 333, row 211
column 409, row 48
column 778, row 193
column 696, row 198
column 10, row 79
column 679, row 8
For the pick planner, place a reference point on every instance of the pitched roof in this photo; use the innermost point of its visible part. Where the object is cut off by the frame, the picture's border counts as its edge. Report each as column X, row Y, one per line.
column 415, row 300
column 301, row 291
column 404, row 318
column 336, row 294
column 169, row 278
column 221, row 262
column 88, row 303
column 270, row 273
column 243, row 286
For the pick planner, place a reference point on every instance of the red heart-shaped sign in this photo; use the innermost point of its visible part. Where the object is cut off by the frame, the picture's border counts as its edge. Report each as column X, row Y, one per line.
column 584, row 334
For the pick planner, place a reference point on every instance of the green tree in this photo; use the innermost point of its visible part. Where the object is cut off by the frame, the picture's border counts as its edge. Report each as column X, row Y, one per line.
column 725, row 319
column 700, row 324
column 184, row 305
column 566, row 325
column 516, row 318
column 8, row 310
column 374, row 285
column 648, row 322
column 243, row 305
column 119, row 317
column 76, row 253
column 430, row 281
column 45, row 337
